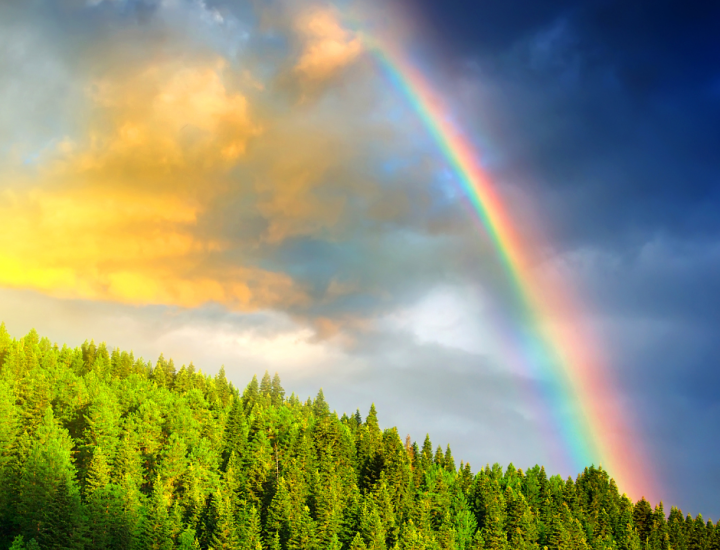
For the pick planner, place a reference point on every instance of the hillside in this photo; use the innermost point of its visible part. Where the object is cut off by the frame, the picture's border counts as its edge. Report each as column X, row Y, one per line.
column 102, row 450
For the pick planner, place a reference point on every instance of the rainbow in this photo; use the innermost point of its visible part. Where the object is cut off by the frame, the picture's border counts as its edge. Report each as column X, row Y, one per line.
column 583, row 404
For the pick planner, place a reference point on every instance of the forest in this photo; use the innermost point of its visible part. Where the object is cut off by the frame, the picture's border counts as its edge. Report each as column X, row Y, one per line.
column 100, row 450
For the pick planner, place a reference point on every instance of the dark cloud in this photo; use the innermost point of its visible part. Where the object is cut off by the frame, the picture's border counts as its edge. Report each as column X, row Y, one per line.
column 611, row 109
column 466, row 27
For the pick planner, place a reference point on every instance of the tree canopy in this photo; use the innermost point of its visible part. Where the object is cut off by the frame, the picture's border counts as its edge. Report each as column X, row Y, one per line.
column 100, row 450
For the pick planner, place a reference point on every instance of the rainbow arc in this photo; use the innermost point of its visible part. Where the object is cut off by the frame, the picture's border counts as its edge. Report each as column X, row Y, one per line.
column 584, row 402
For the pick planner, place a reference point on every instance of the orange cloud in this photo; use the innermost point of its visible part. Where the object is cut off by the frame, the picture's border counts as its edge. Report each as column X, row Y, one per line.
column 113, row 214
column 134, row 247
column 164, row 118
column 328, row 46
column 290, row 191
column 184, row 170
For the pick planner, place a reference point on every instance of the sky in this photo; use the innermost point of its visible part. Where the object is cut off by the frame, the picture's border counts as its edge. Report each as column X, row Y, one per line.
column 244, row 183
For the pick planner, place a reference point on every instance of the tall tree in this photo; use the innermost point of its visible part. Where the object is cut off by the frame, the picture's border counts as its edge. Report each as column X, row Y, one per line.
column 49, row 507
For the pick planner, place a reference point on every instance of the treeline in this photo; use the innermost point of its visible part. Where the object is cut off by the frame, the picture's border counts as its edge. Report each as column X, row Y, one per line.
column 101, row 450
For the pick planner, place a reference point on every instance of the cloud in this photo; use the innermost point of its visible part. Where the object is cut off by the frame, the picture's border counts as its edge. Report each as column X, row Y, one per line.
column 112, row 213
column 328, row 46
column 166, row 118
column 184, row 172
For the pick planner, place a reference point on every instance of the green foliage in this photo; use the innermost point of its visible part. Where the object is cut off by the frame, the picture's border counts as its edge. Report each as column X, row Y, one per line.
column 99, row 450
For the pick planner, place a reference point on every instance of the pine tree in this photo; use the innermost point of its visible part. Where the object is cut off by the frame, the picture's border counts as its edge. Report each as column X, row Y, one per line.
column 105, row 509
column 439, row 459
column 251, row 395
column 642, row 519
column 277, row 393
column 251, row 530
column 676, row 529
column 11, row 485
column 328, row 507
column 371, row 526
column 5, row 341
column 266, row 386
column 320, row 406
column 372, row 424
column 236, row 431
column 20, row 544
column 602, row 535
column 259, row 470
column 351, row 515
column 576, row 535
column 697, row 534
column 448, row 460
column 172, row 463
column 358, row 543
column 478, row 542
column 49, row 507
column 464, row 523
column 8, row 421
column 277, row 524
column 188, row 541
column 302, row 531
column 493, row 517
column 426, row 453
column 223, row 387
column 160, row 372
column 383, row 502
column 465, row 477
column 714, row 541
column 519, row 525
column 659, row 537
column 156, row 526
column 224, row 535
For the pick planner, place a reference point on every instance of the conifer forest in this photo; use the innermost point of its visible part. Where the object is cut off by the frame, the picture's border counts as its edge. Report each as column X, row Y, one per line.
column 100, row 450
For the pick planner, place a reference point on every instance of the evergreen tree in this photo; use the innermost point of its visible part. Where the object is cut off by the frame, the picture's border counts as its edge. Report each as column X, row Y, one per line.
column 277, row 393
column 302, row 531
column 676, row 529
column 251, row 395
column 224, row 534
column 493, row 516
column 464, row 524
column 659, row 537
column 20, row 544
column 358, row 543
column 109, row 525
column 49, row 508
column 448, row 460
column 371, row 526
column 520, row 524
column 714, row 541
column 426, row 453
column 281, row 509
column 697, row 534
column 320, row 406
column 251, row 537
column 643, row 520
column 478, row 542
column 266, row 386
column 156, row 527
